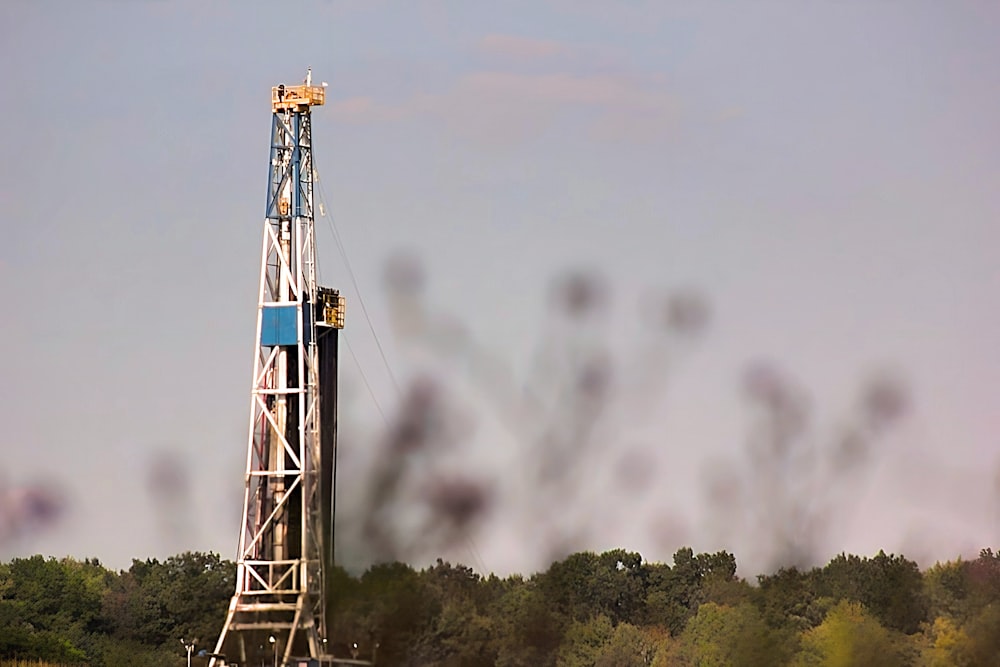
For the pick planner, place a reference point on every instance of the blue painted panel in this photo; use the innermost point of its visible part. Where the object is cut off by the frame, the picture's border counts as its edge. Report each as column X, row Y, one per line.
column 278, row 326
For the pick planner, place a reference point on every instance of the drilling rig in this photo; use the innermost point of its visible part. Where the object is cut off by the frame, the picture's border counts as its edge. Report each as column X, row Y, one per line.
column 279, row 612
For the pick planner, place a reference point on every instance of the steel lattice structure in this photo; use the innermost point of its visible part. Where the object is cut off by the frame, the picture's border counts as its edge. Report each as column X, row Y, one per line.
column 286, row 537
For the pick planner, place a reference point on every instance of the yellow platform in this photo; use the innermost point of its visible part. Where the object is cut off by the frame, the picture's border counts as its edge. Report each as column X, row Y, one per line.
column 296, row 97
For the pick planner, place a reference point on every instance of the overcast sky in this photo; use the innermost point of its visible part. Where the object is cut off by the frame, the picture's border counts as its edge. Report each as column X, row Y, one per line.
column 826, row 174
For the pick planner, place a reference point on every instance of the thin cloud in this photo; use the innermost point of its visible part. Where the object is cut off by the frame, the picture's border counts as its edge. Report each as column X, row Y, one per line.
column 492, row 106
column 353, row 107
column 608, row 91
column 730, row 113
column 522, row 48
column 366, row 110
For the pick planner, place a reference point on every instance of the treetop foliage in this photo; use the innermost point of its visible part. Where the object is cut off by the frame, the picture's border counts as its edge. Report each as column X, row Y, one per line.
column 610, row 609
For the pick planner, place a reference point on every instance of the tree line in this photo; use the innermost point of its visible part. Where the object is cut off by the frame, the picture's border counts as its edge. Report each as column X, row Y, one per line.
column 611, row 609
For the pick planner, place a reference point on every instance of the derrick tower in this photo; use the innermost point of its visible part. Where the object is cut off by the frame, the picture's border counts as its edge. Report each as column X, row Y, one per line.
column 278, row 612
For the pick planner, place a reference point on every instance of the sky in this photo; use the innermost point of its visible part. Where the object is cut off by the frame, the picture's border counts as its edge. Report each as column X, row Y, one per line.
column 823, row 177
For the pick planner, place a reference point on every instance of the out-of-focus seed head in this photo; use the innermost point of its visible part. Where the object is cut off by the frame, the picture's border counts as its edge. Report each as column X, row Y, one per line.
column 763, row 382
column 404, row 275
column 767, row 386
column 635, row 470
column 851, row 450
column 578, row 293
column 166, row 477
column 30, row 509
column 686, row 313
column 885, row 400
column 41, row 506
column 724, row 487
column 418, row 418
column 594, row 378
column 459, row 501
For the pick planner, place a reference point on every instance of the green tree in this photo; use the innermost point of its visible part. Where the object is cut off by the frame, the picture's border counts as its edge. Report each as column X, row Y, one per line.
column 787, row 599
column 584, row 584
column 964, row 596
column 719, row 636
column 946, row 645
column 393, row 610
column 983, row 630
column 628, row 646
column 460, row 635
column 672, row 594
column 584, row 641
column 890, row 587
column 529, row 630
column 668, row 598
column 947, row 590
column 156, row 603
column 50, row 609
column 849, row 636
